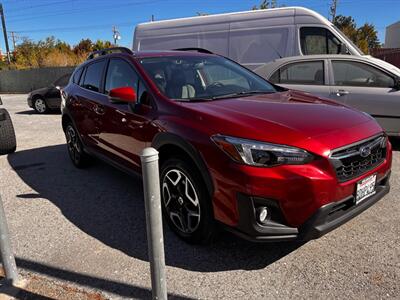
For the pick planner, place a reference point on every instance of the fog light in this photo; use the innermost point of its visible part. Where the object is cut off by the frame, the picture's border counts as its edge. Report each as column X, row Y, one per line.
column 262, row 214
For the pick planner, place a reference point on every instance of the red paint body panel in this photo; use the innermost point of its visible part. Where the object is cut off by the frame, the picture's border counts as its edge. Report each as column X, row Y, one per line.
column 288, row 118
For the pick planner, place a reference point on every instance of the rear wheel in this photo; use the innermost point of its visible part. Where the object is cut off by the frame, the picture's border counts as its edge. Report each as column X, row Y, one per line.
column 8, row 142
column 40, row 106
column 75, row 148
column 186, row 202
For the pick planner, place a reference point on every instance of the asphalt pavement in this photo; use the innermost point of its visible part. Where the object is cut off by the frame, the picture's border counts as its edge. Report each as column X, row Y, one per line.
column 87, row 228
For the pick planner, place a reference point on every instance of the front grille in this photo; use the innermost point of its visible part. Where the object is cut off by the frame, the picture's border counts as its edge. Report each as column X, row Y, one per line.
column 354, row 160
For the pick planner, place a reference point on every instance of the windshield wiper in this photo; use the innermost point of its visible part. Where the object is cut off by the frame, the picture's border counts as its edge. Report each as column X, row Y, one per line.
column 243, row 93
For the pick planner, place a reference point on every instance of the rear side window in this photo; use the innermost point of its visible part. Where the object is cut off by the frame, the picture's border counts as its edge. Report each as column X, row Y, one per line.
column 318, row 40
column 77, row 76
column 93, row 75
column 258, row 45
column 308, row 73
column 351, row 73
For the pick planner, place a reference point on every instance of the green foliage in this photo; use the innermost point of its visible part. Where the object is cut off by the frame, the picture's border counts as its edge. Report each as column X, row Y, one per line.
column 52, row 52
column 265, row 4
column 365, row 37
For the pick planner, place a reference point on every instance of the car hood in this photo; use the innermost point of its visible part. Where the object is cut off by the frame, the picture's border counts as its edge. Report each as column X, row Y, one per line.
column 290, row 117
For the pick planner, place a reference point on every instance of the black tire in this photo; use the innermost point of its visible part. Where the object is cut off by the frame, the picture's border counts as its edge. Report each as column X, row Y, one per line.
column 75, row 148
column 8, row 142
column 40, row 106
column 177, row 203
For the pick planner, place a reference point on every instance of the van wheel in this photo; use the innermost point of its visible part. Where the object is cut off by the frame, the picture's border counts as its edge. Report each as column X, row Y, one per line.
column 186, row 202
column 75, row 148
column 8, row 142
column 40, row 106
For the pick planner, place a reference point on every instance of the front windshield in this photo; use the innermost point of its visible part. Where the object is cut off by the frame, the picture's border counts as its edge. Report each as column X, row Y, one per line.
column 189, row 78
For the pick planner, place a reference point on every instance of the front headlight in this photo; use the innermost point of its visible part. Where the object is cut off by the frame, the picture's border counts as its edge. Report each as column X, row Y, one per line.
column 261, row 154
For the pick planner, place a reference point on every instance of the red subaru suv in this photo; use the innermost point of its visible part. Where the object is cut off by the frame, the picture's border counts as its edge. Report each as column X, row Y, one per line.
column 265, row 162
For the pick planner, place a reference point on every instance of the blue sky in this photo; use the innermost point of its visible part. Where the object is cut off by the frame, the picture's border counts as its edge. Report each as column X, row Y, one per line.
column 72, row 20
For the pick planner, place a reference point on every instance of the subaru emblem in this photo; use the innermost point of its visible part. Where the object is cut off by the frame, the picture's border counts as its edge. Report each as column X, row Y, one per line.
column 365, row 151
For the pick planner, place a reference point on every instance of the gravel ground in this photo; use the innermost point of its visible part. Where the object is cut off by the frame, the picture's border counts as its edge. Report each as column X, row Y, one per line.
column 87, row 228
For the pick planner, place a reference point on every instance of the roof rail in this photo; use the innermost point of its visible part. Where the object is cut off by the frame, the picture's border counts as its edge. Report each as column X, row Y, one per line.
column 201, row 50
column 108, row 51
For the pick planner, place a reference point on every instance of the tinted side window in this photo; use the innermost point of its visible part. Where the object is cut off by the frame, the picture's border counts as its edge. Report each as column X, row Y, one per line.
column 351, row 73
column 317, row 40
column 77, row 75
column 120, row 74
column 310, row 73
column 93, row 75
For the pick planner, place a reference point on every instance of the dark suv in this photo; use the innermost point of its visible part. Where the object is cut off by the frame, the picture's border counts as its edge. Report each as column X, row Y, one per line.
column 265, row 162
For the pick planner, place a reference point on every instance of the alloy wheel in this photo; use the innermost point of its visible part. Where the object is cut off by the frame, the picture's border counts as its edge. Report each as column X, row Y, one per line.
column 40, row 105
column 181, row 201
column 73, row 144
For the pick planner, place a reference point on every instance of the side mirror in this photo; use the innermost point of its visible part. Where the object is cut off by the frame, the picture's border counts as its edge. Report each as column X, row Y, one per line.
column 343, row 49
column 397, row 83
column 123, row 94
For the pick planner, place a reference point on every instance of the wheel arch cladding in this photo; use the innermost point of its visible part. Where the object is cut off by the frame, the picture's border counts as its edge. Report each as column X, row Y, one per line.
column 66, row 119
column 169, row 144
column 38, row 96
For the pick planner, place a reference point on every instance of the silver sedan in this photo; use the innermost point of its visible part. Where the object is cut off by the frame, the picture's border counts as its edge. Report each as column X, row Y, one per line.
column 366, row 83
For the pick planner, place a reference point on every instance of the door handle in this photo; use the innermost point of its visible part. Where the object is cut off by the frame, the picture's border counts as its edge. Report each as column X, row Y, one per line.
column 99, row 110
column 340, row 93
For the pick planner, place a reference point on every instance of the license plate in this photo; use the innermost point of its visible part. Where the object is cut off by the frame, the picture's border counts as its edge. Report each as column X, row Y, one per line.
column 365, row 188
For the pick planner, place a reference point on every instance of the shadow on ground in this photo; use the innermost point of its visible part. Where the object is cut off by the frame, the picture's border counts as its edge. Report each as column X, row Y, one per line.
column 39, row 288
column 33, row 112
column 108, row 205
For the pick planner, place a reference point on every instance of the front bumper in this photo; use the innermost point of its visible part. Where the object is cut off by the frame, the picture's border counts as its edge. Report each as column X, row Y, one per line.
column 324, row 220
column 29, row 101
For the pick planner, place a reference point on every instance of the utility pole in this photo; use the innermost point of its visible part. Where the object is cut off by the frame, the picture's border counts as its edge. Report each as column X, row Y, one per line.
column 116, row 35
column 3, row 22
column 332, row 9
column 13, row 37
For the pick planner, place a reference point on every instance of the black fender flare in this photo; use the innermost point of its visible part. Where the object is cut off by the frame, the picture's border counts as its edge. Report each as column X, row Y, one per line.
column 166, row 138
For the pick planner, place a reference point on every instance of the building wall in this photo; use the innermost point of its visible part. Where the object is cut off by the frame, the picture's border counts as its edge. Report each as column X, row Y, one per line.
column 392, row 36
column 24, row 81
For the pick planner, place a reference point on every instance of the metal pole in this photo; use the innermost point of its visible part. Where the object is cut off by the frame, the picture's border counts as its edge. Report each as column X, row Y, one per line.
column 155, row 239
column 3, row 22
column 7, row 256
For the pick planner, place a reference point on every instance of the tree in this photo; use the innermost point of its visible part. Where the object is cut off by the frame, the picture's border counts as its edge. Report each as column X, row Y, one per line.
column 368, row 33
column 365, row 37
column 265, row 4
column 53, row 52
column 84, row 46
column 101, row 45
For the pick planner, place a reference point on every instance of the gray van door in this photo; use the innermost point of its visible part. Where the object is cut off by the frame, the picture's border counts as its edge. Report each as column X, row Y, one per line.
column 368, row 89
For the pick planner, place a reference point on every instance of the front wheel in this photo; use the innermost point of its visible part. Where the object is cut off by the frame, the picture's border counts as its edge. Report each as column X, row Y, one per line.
column 186, row 202
column 8, row 142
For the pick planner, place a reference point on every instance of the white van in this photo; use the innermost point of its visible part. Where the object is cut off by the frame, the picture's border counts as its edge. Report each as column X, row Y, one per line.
column 252, row 38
